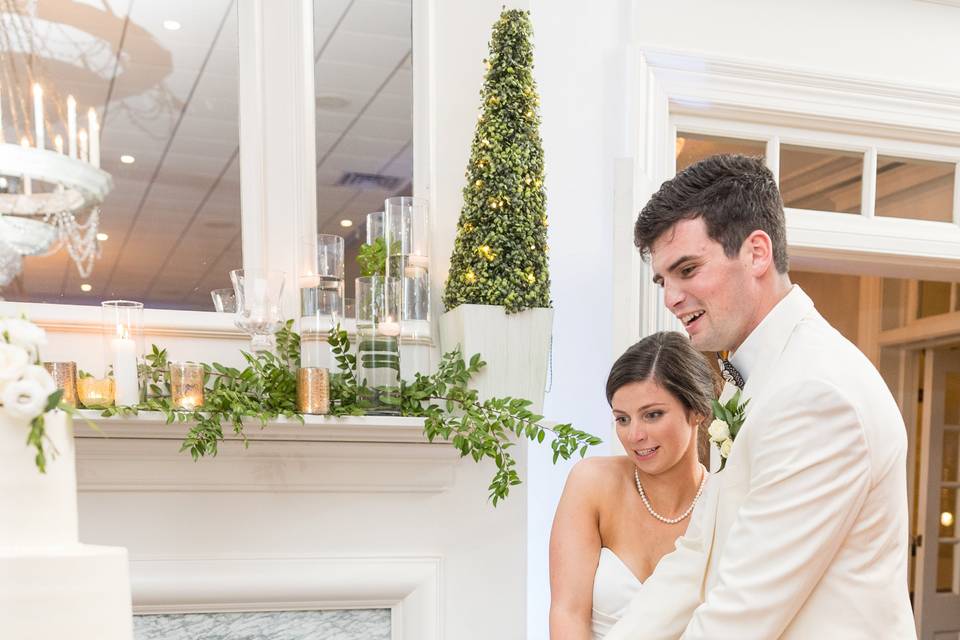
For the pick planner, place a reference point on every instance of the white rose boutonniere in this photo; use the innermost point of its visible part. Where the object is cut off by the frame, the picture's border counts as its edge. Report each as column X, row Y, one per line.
column 727, row 420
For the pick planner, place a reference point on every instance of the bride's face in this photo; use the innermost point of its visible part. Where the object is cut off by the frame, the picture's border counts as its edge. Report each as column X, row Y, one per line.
column 653, row 426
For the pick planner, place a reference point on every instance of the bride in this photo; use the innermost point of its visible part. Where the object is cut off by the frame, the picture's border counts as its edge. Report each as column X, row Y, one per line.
column 620, row 514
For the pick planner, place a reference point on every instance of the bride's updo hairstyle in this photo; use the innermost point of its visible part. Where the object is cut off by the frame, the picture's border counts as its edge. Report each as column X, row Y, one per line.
column 672, row 362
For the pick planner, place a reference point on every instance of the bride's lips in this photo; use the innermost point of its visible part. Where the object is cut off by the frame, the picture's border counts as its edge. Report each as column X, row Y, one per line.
column 646, row 454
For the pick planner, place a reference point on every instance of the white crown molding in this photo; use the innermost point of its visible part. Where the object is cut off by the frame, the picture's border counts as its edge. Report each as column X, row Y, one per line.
column 698, row 82
column 949, row 3
column 409, row 586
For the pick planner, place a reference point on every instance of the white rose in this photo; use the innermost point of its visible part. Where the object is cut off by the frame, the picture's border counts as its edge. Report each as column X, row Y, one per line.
column 24, row 399
column 41, row 376
column 13, row 362
column 23, row 333
column 719, row 430
column 725, row 448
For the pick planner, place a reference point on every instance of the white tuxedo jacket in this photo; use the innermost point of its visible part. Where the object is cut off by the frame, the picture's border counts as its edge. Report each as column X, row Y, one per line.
column 803, row 535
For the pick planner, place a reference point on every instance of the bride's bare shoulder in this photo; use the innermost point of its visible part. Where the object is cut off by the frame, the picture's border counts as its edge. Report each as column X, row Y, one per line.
column 597, row 471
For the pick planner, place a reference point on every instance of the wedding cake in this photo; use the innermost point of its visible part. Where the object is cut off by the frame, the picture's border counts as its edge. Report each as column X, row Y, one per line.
column 51, row 586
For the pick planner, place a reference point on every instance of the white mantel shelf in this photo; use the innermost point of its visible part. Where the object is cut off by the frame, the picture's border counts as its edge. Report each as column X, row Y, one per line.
column 152, row 425
column 368, row 454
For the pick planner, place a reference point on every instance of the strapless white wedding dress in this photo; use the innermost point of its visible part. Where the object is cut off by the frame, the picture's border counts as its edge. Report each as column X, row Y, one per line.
column 614, row 586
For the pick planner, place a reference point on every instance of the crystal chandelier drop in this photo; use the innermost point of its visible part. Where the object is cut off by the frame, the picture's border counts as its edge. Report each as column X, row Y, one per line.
column 50, row 196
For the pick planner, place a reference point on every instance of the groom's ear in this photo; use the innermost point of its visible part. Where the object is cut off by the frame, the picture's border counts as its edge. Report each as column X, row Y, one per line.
column 757, row 252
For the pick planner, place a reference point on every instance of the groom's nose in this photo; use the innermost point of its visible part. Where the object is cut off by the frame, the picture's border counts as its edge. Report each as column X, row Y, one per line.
column 672, row 295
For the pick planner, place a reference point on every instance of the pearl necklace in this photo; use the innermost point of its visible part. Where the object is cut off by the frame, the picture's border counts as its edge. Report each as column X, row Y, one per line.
column 646, row 503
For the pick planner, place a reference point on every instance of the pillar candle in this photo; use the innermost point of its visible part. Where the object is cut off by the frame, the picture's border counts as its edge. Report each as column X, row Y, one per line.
column 72, row 126
column 38, row 115
column 123, row 352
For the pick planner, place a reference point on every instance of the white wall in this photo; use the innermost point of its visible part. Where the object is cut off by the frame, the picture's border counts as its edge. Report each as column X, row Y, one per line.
column 580, row 70
column 902, row 41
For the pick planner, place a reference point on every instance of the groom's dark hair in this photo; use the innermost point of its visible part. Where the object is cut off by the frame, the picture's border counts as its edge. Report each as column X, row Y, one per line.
column 734, row 194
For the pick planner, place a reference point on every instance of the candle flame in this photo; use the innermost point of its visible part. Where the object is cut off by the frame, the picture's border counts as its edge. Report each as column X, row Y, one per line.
column 122, row 331
column 24, row 142
column 37, row 90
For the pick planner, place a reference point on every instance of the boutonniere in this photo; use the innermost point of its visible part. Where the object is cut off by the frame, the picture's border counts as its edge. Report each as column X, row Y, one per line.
column 727, row 420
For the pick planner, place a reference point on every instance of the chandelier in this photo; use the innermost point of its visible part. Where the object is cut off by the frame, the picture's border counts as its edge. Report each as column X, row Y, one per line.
column 50, row 194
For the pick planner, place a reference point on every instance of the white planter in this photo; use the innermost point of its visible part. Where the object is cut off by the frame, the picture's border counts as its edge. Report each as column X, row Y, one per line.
column 516, row 348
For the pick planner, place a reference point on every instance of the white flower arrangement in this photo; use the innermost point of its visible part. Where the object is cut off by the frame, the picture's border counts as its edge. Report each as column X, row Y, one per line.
column 27, row 391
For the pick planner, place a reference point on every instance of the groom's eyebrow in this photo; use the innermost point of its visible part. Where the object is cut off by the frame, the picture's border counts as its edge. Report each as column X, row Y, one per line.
column 658, row 279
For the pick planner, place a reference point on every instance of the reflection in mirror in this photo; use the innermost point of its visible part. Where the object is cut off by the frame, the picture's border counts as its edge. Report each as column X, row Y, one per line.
column 693, row 147
column 914, row 189
column 161, row 78
column 364, row 100
column 821, row 179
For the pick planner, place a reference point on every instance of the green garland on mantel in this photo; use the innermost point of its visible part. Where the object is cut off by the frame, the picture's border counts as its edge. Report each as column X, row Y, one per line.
column 267, row 389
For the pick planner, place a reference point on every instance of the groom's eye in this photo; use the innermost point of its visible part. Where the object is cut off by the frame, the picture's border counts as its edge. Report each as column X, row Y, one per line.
column 688, row 271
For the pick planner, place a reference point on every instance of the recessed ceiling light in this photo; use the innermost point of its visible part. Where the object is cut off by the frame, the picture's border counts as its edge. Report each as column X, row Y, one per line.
column 102, row 236
column 346, row 223
column 127, row 159
column 171, row 25
column 86, row 287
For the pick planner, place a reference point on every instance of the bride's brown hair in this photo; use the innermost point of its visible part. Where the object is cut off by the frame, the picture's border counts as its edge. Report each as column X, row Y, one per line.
column 674, row 364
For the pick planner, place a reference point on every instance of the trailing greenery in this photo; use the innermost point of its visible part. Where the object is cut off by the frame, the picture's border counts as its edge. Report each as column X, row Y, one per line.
column 267, row 389
column 500, row 251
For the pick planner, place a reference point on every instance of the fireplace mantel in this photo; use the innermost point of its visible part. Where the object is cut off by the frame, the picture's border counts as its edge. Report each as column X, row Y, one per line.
column 353, row 454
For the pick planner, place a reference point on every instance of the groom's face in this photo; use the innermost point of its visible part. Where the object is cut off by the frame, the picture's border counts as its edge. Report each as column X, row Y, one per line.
column 709, row 292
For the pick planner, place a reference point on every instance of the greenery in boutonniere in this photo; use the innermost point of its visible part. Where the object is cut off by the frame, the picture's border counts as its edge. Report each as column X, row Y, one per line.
column 267, row 388
column 728, row 418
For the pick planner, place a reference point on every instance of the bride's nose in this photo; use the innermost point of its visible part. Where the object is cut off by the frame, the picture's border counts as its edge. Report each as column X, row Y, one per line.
column 636, row 433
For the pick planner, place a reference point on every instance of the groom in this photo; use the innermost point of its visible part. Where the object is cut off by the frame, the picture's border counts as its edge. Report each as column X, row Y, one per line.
column 803, row 535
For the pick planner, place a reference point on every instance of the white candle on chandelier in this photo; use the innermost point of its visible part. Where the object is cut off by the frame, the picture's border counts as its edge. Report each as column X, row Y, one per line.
column 83, row 145
column 58, row 143
column 38, row 115
column 94, row 127
column 72, row 126
column 27, row 182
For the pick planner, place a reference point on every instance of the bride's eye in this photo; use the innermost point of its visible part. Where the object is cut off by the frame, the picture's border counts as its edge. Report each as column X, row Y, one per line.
column 620, row 420
column 653, row 415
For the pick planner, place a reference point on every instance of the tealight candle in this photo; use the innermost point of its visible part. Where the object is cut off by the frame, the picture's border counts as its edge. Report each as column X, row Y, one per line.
column 186, row 385
column 313, row 390
column 389, row 328
column 95, row 392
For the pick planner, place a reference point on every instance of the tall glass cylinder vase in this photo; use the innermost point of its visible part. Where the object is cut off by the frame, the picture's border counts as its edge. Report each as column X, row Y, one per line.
column 407, row 229
column 378, row 344
column 321, row 300
column 374, row 226
column 122, row 322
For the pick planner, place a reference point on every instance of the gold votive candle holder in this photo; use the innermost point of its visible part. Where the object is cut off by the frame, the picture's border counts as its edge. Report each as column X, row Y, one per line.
column 95, row 392
column 186, row 385
column 64, row 375
column 313, row 390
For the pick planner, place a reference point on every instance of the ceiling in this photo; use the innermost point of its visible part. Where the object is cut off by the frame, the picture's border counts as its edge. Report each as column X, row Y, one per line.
column 169, row 98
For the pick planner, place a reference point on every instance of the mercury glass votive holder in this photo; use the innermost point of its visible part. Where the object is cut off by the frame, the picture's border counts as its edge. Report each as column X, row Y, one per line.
column 64, row 375
column 313, row 390
column 95, row 393
column 186, row 385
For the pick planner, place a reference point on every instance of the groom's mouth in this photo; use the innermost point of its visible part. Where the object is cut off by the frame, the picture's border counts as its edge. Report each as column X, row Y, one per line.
column 646, row 454
column 689, row 320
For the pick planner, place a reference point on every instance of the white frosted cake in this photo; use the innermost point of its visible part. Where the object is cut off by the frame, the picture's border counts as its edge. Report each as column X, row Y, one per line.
column 51, row 586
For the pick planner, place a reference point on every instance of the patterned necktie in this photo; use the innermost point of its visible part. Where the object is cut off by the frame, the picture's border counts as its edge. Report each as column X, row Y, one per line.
column 729, row 372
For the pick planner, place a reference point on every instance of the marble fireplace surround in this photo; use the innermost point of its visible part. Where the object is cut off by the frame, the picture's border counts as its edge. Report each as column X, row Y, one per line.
column 408, row 586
